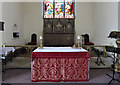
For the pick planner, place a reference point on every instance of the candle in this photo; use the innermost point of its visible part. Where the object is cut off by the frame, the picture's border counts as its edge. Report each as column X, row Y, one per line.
column 78, row 37
column 4, row 45
column 40, row 37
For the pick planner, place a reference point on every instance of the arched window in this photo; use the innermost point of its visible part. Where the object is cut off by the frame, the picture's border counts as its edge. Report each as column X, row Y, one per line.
column 59, row 8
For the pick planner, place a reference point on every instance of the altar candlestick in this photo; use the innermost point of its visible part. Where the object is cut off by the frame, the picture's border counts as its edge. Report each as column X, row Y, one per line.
column 4, row 45
column 78, row 37
column 41, row 44
column 40, row 37
column 78, row 41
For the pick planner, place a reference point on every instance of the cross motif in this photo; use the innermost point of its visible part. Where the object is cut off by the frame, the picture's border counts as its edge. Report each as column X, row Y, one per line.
column 49, row 26
column 59, row 25
column 68, row 26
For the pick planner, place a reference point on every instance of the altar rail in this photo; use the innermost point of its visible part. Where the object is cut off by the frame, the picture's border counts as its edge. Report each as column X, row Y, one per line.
column 29, row 46
column 87, row 47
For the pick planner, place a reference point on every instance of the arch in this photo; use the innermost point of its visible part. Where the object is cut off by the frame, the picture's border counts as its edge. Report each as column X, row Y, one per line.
column 34, row 38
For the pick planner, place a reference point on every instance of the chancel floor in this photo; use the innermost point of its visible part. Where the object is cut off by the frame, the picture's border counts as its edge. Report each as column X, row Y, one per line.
column 23, row 61
column 24, row 76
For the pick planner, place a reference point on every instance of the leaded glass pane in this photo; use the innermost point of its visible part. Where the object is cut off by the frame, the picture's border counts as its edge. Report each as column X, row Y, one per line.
column 69, row 9
column 48, row 9
column 59, row 8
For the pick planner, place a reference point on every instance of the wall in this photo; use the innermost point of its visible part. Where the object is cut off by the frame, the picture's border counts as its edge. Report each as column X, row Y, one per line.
column 119, row 16
column 96, row 19
column 12, row 13
column 29, row 16
column 0, row 20
column 84, row 19
column 33, row 20
column 0, row 10
column 0, row 43
column 105, row 20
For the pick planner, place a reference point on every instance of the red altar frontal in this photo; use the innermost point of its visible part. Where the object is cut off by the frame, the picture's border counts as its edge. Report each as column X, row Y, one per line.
column 62, row 65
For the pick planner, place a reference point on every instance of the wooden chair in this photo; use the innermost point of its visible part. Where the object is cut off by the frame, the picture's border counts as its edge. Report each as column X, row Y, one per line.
column 86, row 40
column 33, row 40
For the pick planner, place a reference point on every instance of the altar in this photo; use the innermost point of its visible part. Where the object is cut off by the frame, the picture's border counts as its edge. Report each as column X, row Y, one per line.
column 60, row 64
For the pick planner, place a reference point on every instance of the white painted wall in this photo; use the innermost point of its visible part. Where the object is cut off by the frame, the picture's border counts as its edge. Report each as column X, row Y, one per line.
column 105, row 20
column 96, row 19
column 84, row 19
column 0, row 10
column 119, row 16
column 0, row 20
column 33, row 20
column 12, row 13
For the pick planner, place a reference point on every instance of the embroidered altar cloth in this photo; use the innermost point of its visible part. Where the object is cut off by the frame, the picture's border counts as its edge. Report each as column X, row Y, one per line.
column 60, row 64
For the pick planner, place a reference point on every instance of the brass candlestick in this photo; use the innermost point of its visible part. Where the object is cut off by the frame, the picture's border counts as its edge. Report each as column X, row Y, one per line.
column 3, row 45
column 41, row 43
column 78, row 41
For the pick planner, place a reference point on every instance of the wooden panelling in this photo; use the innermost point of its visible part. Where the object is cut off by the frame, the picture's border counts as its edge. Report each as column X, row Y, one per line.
column 58, row 39
column 58, row 32
column 48, row 25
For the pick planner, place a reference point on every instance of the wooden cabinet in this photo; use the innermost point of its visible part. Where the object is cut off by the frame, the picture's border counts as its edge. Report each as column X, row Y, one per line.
column 58, row 32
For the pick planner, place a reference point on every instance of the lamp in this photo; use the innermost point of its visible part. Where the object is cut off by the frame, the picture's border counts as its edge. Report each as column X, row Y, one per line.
column 15, row 28
column 116, row 35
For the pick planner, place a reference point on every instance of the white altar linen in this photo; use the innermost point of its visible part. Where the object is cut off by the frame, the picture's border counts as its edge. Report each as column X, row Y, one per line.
column 59, row 49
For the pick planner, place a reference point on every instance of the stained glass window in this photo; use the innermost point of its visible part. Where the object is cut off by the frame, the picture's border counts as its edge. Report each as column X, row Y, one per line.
column 48, row 10
column 59, row 8
column 69, row 9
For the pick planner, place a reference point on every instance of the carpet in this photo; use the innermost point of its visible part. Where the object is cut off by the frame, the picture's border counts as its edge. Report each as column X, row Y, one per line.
column 96, row 76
